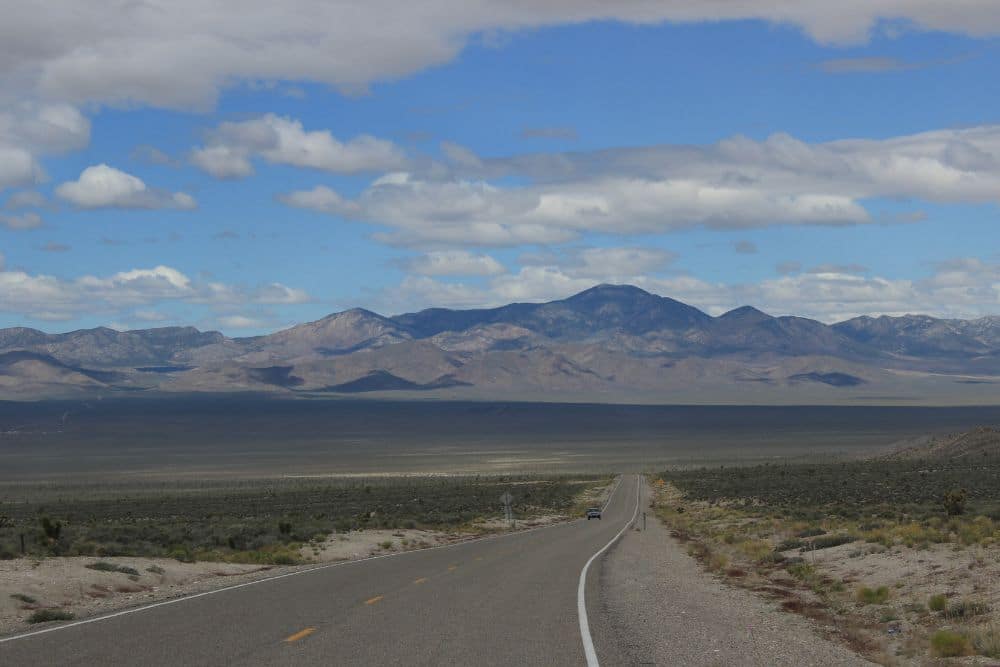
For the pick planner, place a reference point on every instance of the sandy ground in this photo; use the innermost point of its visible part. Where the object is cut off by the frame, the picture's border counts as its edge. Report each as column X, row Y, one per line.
column 665, row 610
column 961, row 574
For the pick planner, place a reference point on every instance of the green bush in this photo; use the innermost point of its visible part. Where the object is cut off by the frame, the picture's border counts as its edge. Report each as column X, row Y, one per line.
column 954, row 502
column 45, row 615
column 27, row 599
column 104, row 566
column 828, row 541
column 937, row 602
column 51, row 529
column 878, row 595
column 950, row 644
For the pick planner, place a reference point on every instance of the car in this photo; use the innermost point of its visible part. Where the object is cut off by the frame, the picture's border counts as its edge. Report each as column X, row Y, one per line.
column 593, row 513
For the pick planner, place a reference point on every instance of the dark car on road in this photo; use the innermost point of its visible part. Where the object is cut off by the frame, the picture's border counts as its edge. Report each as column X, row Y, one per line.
column 593, row 513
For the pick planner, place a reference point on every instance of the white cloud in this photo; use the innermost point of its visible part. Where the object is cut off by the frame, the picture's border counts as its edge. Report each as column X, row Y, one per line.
column 281, row 140
column 179, row 54
column 28, row 130
column 961, row 288
column 36, row 295
column 18, row 167
column 223, row 161
column 276, row 293
column 321, row 199
column 454, row 263
column 240, row 322
column 27, row 220
column 737, row 183
column 43, row 128
column 101, row 186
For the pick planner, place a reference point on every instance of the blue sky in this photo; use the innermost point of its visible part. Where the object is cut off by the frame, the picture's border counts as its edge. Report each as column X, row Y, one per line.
column 827, row 169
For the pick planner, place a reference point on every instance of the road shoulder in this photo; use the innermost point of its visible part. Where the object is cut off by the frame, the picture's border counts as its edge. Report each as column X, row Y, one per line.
column 658, row 607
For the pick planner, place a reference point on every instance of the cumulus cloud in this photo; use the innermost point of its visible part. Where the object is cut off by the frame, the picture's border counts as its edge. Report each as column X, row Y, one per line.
column 179, row 54
column 28, row 130
column 279, row 140
column 41, row 296
column 321, row 199
column 738, row 183
column 101, row 186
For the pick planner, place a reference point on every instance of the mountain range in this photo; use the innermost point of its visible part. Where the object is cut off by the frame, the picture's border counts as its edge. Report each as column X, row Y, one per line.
column 614, row 343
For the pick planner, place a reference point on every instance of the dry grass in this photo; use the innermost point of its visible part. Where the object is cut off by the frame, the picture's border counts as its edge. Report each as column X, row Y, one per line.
column 897, row 589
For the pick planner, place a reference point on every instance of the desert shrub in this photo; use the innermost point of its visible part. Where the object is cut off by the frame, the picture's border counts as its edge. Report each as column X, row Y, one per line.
column 26, row 599
column 801, row 570
column 45, row 615
column 878, row 595
column 937, row 602
column 386, row 545
column 950, row 644
column 285, row 527
column 718, row 561
column 756, row 550
column 954, row 501
column 155, row 569
column 790, row 543
column 51, row 529
column 986, row 641
column 828, row 541
column 966, row 609
column 810, row 532
column 104, row 566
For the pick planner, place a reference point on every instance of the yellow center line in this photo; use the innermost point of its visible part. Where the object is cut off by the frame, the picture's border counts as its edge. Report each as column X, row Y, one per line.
column 420, row 580
column 452, row 568
column 300, row 635
column 479, row 558
column 374, row 599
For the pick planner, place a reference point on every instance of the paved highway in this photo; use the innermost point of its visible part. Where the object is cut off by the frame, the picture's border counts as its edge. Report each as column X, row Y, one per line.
column 511, row 600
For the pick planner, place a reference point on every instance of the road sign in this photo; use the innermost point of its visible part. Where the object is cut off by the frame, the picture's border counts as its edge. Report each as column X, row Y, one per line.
column 507, row 499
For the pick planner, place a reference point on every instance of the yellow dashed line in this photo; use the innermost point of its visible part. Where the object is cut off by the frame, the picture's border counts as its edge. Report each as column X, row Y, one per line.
column 374, row 599
column 300, row 635
column 479, row 557
column 452, row 568
column 420, row 580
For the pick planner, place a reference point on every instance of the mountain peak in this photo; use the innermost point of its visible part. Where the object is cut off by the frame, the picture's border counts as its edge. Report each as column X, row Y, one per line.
column 745, row 315
column 609, row 290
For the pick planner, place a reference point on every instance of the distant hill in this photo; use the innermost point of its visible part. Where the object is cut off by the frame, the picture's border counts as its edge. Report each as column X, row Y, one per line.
column 607, row 343
column 977, row 443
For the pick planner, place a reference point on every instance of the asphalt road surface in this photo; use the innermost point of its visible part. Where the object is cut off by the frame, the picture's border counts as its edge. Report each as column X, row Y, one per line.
column 510, row 600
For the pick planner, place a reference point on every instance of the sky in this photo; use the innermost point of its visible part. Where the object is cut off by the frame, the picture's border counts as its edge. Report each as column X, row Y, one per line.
column 245, row 166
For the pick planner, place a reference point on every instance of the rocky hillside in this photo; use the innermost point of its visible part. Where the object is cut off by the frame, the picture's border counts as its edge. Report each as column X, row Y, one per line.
column 608, row 343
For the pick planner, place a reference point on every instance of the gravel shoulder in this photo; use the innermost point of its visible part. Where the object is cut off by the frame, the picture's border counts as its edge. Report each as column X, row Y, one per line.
column 659, row 607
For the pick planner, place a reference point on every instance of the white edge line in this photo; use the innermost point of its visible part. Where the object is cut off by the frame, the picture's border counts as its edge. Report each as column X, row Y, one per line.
column 135, row 610
column 581, row 601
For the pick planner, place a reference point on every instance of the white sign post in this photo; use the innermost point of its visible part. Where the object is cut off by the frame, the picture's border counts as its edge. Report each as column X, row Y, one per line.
column 508, row 512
